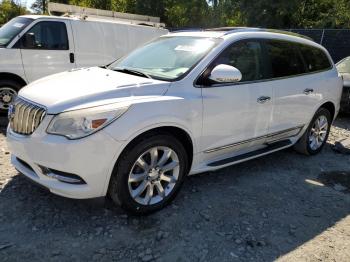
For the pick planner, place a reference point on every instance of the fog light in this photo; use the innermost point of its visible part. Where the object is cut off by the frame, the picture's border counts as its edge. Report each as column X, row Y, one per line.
column 62, row 176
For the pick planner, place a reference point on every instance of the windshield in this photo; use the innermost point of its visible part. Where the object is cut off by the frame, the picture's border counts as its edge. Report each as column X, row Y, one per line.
column 344, row 66
column 9, row 30
column 167, row 58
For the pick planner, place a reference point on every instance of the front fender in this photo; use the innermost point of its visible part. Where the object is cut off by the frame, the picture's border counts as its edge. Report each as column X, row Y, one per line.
column 159, row 112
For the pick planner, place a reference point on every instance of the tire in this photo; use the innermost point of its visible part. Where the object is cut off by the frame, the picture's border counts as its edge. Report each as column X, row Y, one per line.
column 123, row 185
column 8, row 93
column 307, row 146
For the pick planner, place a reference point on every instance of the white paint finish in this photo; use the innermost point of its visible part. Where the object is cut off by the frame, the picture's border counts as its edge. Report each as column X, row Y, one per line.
column 95, row 86
column 292, row 107
column 93, row 43
column 232, row 114
column 212, row 117
column 11, row 62
column 225, row 74
column 38, row 63
column 98, row 43
column 51, row 151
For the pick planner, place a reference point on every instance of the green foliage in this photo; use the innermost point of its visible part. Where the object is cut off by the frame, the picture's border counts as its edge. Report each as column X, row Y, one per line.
column 10, row 9
column 212, row 13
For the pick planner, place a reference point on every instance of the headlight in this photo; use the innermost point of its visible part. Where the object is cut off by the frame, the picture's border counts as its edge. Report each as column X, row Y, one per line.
column 80, row 123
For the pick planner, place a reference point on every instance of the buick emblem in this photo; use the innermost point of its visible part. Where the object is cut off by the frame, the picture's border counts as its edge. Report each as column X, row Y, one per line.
column 11, row 112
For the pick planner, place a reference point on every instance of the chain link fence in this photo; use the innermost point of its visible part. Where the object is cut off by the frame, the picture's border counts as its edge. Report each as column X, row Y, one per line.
column 336, row 41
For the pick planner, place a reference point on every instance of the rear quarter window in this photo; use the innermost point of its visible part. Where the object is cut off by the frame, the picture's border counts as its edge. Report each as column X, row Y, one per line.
column 315, row 58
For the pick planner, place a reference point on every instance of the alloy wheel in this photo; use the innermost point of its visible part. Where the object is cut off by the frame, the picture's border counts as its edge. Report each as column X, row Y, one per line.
column 318, row 132
column 154, row 175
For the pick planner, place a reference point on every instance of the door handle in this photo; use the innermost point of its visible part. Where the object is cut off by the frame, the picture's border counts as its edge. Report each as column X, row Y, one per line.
column 71, row 57
column 308, row 91
column 263, row 99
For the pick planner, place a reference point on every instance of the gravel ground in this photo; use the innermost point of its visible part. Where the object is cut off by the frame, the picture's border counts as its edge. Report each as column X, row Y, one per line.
column 284, row 206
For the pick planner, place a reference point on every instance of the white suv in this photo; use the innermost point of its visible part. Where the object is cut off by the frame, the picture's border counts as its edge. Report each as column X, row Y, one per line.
column 186, row 103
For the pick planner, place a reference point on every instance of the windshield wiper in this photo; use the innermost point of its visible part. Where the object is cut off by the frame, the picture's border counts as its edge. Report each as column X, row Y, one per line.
column 132, row 72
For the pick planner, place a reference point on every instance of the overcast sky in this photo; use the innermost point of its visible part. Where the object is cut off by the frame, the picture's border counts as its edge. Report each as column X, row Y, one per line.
column 28, row 2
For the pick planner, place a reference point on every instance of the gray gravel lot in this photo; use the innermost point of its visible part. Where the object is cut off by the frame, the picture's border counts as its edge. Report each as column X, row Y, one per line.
column 283, row 206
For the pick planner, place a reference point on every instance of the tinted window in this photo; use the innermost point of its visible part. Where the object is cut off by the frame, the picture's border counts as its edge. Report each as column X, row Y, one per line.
column 315, row 58
column 245, row 56
column 285, row 59
column 12, row 28
column 46, row 35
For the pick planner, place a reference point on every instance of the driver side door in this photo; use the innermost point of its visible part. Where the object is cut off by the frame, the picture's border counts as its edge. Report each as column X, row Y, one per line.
column 236, row 116
column 47, row 48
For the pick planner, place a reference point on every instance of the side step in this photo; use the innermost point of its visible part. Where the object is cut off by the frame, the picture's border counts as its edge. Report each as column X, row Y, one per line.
column 270, row 148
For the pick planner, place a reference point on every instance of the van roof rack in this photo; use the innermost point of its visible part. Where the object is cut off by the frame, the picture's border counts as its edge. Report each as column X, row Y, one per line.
column 85, row 13
column 230, row 30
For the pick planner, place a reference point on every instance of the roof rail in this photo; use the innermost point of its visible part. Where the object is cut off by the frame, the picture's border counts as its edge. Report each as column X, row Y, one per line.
column 86, row 13
column 230, row 30
column 185, row 30
column 227, row 29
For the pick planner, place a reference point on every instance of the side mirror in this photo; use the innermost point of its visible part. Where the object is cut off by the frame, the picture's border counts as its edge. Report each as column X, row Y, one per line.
column 225, row 74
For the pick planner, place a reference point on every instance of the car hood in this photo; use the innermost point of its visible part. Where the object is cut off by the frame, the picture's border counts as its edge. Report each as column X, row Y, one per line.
column 87, row 87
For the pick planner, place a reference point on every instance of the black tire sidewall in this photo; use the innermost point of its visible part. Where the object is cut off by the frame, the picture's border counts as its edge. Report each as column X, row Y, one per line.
column 119, row 191
column 327, row 114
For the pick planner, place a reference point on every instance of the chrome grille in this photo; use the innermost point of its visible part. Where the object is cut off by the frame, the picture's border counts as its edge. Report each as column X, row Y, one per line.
column 25, row 117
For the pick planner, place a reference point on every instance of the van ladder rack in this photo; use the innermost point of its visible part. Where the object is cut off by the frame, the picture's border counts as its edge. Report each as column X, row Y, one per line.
column 86, row 13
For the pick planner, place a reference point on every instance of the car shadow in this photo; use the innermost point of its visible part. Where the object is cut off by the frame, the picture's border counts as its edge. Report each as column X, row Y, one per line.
column 258, row 210
column 342, row 121
column 3, row 124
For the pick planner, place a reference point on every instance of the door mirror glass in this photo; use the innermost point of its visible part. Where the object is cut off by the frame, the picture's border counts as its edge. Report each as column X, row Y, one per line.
column 225, row 74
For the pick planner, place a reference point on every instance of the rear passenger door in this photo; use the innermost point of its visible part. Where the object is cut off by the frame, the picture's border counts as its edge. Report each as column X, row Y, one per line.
column 295, row 92
column 47, row 48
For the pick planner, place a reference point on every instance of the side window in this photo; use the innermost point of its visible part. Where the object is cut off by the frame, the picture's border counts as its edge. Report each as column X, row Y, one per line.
column 285, row 59
column 315, row 58
column 46, row 36
column 245, row 56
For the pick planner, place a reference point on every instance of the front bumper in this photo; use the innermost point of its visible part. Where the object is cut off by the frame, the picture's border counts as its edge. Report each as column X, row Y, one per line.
column 92, row 158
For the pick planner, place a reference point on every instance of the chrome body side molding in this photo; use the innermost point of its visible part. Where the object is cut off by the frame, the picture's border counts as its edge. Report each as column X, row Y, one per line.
column 270, row 138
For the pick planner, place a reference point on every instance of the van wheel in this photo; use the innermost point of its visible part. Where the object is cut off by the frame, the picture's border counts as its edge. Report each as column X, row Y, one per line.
column 316, row 135
column 149, row 174
column 8, row 93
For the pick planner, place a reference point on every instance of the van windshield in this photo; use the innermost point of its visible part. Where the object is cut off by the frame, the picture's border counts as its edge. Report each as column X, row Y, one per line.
column 9, row 30
column 167, row 58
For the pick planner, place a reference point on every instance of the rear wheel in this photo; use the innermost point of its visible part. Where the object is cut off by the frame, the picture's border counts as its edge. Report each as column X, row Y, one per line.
column 316, row 135
column 149, row 174
column 8, row 94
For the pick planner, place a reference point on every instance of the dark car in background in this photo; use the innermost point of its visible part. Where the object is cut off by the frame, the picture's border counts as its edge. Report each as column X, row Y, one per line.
column 343, row 67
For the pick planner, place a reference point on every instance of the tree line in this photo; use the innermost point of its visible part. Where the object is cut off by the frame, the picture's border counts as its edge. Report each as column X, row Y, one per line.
column 213, row 13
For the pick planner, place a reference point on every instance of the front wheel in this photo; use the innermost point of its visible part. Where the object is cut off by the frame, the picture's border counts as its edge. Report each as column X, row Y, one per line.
column 8, row 94
column 149, row 174
column 316, row 135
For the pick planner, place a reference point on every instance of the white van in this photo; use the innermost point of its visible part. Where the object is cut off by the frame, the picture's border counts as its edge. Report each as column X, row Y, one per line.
column 32, row 47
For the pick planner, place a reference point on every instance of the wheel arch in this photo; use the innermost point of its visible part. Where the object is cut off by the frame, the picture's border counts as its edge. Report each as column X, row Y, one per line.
column 179, row 133
column 330, row 107
column 14, row 77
